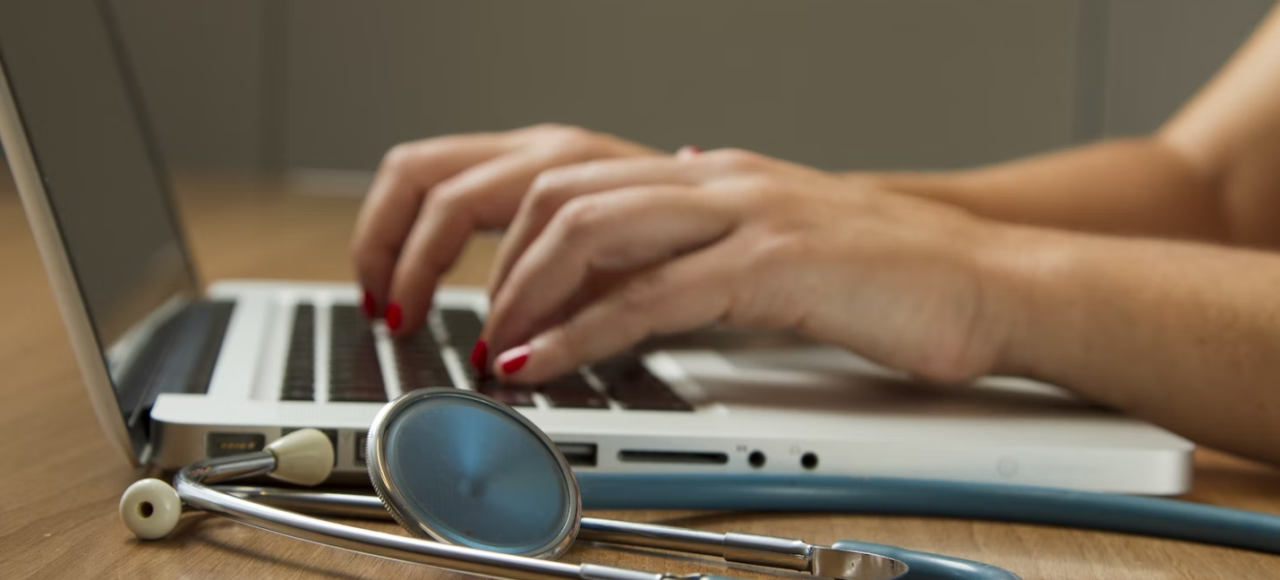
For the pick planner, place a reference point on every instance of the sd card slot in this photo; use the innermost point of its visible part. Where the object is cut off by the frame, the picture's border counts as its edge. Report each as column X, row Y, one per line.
column 681, row 457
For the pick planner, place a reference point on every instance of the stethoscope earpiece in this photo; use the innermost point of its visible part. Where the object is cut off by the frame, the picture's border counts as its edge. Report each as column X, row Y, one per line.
column 150, row 508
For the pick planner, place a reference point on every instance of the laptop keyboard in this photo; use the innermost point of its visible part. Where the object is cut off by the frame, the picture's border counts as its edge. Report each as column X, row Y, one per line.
column 354, row 372
column 300, row 365
column 356, row 376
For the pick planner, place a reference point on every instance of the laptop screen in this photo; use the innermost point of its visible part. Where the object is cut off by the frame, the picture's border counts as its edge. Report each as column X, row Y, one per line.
column 72, row 87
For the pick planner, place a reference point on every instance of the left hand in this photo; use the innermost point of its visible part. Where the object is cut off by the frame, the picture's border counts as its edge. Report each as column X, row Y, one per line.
column 605, row 254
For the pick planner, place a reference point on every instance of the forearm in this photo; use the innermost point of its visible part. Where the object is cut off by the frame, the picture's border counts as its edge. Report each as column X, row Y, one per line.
column 1136, row 187
column 1184, row 335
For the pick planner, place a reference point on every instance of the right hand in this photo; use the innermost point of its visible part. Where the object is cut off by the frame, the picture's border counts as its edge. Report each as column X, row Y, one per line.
column 430, row 195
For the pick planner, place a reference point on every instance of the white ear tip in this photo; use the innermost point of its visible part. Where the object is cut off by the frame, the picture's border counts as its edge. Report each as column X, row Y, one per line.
column 304, row 457
column 150, row 509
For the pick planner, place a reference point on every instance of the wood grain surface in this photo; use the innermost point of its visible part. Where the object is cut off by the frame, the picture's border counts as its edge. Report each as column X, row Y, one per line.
column 60, row 481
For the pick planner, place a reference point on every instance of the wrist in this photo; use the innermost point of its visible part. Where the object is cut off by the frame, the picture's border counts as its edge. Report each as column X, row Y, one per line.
column 948, row 187
column 1024, row 273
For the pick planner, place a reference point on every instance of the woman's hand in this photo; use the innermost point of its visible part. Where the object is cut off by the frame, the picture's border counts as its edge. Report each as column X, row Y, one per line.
column 429, row 196
column 602, row 255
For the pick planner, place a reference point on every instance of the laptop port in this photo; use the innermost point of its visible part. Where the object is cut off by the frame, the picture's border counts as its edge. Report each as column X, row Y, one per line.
column 809, row 460
column 224, row 444
column 362, row 446
column 578, row 454
column 683, row 457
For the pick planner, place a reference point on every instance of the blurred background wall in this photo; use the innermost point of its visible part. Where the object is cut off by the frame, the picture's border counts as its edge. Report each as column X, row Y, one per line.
column 305, row 85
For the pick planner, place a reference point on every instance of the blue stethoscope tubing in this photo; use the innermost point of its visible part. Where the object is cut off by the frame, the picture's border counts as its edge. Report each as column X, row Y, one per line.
column 1148, row 516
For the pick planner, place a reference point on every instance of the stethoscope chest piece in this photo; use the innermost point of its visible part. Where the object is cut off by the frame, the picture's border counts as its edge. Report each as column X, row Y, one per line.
column 458, row 468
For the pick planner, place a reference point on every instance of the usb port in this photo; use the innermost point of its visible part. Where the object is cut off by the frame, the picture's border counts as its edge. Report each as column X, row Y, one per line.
column 225, row 444
column 578, row 454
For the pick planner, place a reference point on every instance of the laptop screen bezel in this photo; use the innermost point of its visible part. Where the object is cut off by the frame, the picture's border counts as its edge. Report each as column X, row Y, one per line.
column 91, row 355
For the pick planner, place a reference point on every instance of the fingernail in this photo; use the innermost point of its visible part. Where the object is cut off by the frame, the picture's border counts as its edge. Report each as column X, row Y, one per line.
column 480, row 356
column 394, row 316
column 513, row 360
column 688, row 151
column 368, row 305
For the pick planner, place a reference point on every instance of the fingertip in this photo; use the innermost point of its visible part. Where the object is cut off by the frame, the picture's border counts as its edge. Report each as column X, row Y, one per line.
column 512, row 361
column 480, row 356
column 373, row 274
column 394, row 317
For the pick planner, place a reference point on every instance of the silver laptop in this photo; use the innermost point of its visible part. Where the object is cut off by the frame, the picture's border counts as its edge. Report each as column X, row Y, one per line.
column 177, row 372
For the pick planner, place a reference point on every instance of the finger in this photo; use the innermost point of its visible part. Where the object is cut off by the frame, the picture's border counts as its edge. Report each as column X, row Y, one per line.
column 690, row 292
column 557, row 187
column 407, row 173
column 627, row 228
column 688, row 152
column 484, row 196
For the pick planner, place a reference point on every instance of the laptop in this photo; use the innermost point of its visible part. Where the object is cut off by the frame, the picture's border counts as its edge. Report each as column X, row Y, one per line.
column 177, row 372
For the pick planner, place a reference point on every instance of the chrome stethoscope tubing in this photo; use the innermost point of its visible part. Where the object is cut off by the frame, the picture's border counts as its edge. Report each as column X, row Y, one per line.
column 751, row 549
column 191, row 488
column 262, row 508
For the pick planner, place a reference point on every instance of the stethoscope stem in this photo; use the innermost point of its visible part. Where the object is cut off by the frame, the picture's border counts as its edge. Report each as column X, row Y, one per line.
column 757, row 550
column 191, row 488
column 151, row 509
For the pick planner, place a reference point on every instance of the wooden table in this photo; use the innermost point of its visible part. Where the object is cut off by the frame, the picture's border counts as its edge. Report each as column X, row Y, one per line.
column 60, row 481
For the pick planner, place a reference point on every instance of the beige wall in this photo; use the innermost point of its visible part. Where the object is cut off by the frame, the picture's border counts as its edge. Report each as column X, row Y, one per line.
column 837, row 83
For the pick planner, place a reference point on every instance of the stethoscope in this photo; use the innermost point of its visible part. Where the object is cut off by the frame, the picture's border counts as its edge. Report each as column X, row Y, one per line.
column 483, row 491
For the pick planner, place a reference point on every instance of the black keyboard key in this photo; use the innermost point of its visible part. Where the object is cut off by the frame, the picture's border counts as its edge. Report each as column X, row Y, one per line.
column 631, row 384
column 516, row 396
column 354, row 371
column 463, row 326
column 300, row 364
column 573, row 392
column 419, row 364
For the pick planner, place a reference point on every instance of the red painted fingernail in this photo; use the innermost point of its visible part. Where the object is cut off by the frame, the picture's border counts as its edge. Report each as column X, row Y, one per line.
column 513, row 360
column 394, row 316
column 369, row 306
column 480, row 356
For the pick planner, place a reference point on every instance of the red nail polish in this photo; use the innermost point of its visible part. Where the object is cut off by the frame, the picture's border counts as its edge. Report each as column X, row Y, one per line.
column 513, row 360
column 480, row 356
column 394, row 316
column 369, row 306
column 688, row 151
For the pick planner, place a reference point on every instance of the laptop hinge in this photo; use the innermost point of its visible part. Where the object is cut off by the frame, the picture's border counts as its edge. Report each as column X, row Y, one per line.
column 178, row 357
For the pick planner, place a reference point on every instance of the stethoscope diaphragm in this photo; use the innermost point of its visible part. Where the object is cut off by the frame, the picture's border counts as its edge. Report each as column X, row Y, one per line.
column 456, row 467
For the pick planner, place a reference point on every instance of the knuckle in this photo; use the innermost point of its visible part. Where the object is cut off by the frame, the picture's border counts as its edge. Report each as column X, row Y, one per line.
column 737, row 159
column 571, row 141
column 775, row 249
column 579, row 220
column 762, row 194
column 545, row 191
column 400, row 156
column 644, row 291
column 448, row 198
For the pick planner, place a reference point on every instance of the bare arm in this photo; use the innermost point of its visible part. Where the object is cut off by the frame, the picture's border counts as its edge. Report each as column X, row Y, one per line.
column 1185, row 335
column 1212, row 172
